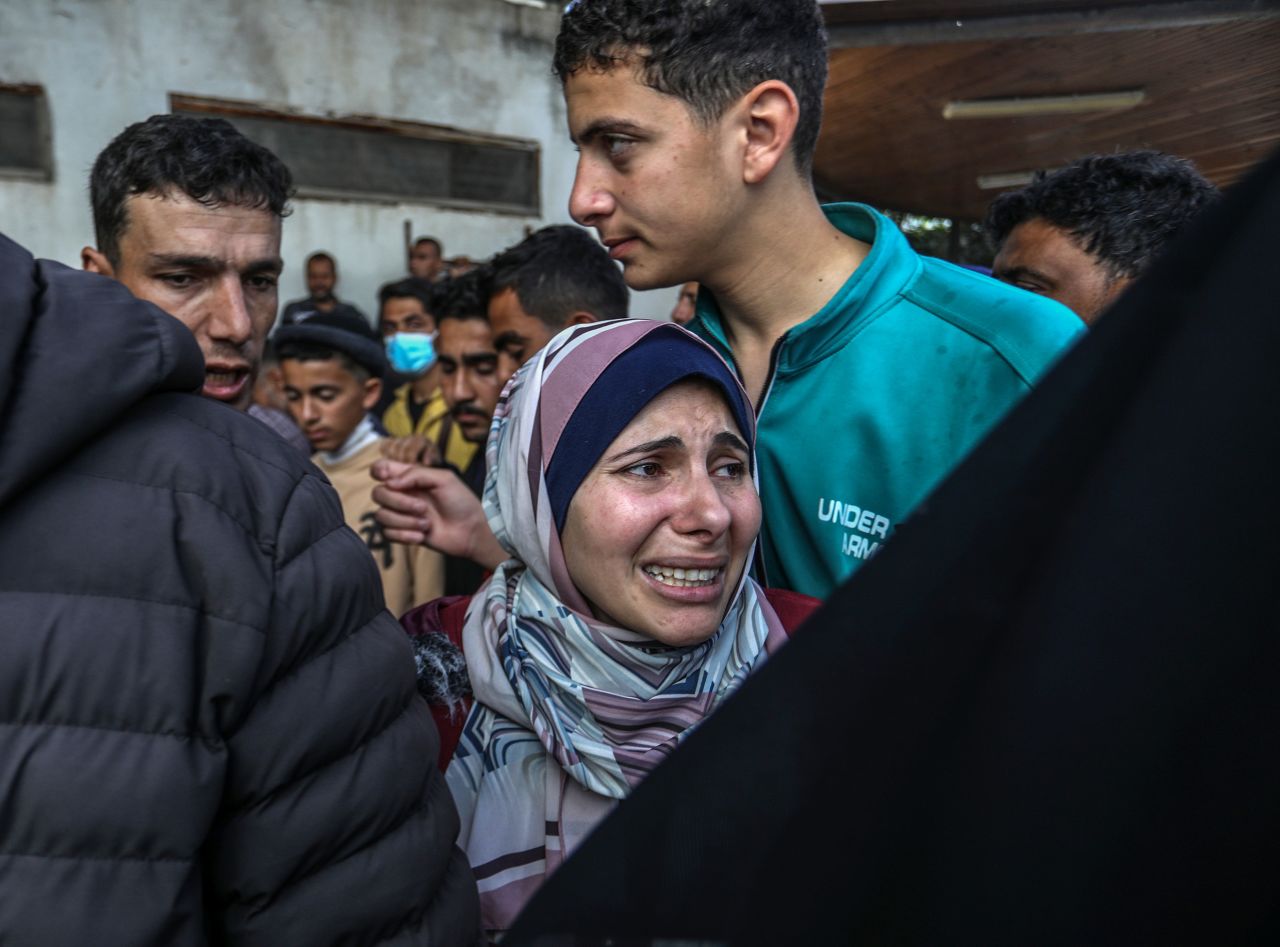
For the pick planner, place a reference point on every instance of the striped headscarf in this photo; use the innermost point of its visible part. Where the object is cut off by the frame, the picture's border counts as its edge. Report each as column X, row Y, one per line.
column 571, row 713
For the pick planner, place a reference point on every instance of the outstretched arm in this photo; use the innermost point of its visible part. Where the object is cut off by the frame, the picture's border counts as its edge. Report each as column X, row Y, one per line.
column 432, row 506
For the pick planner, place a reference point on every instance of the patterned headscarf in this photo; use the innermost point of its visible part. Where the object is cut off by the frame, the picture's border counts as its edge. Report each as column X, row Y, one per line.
column 571, row 713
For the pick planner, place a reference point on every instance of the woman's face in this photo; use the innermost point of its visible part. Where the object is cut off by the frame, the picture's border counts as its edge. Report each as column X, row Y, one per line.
column 657, row 535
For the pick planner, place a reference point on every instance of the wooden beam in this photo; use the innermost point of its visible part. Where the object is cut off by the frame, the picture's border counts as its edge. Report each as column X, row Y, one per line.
column 1092, row 19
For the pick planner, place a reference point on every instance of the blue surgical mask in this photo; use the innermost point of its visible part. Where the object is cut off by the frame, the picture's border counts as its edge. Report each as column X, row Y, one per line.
column 411, row 353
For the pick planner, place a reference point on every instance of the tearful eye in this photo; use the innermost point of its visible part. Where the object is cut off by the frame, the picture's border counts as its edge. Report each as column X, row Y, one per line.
column 733, row 470
column 646, row 470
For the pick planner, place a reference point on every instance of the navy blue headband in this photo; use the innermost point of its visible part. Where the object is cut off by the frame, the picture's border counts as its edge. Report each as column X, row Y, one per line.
column 633, row 379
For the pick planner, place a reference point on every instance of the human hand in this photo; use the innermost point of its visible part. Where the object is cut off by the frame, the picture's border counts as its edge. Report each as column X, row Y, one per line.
column 414, row 449
column 432, row 506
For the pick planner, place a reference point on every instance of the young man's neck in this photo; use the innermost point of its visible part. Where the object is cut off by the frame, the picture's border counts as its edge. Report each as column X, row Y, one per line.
column 424, row 386
column 789, row 265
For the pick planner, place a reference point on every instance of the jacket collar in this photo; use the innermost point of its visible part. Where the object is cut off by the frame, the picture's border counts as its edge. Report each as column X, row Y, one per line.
column 881, row 278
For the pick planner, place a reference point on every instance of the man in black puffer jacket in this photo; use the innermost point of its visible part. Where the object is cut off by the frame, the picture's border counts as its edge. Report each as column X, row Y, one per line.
column 208, row 728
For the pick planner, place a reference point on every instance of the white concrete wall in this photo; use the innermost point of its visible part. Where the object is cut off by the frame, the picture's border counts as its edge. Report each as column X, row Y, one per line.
column 481, row 65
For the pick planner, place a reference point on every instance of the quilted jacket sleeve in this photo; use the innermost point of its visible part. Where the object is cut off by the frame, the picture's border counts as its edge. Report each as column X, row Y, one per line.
column 337, row 827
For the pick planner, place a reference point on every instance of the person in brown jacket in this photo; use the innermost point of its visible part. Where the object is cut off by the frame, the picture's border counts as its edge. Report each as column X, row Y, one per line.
column 332, row 366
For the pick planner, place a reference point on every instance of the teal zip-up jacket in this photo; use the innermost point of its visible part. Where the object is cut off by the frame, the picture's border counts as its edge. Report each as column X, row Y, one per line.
column 873, row 400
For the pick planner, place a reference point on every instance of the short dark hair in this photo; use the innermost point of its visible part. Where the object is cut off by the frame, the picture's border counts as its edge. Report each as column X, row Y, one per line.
column 462, row 297
column 410, row 288
column 322, row 255
column 558, row 271
column 431, row 240
column 205, row 158
column 708, row 54
column 318, row 352
column 1122, row 208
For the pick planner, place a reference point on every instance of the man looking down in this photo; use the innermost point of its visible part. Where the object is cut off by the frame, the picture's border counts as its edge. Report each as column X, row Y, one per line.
column 333, row 365
column 1085, row 232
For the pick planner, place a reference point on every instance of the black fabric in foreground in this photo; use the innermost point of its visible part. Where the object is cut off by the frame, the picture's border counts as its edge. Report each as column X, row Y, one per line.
column 1049, row 711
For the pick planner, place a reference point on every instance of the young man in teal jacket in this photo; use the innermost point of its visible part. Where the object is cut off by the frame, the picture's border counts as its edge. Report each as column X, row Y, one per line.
column 873, row 370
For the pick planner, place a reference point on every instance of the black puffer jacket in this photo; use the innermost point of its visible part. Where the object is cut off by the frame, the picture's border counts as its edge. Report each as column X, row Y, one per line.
column 208, row 728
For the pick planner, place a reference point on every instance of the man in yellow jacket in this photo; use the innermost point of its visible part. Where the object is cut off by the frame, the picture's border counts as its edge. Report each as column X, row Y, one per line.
column 418, row 407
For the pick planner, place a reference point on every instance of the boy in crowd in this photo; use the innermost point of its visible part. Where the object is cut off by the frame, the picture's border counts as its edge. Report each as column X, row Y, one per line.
column 556, row 277
column 873, row 370
column 332, row 366
column 269, row 405
column 1083, row 233
column 417, row 407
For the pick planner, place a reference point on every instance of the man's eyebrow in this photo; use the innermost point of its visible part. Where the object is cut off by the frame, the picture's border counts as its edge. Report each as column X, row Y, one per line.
column 664, row 443
column 509, row 338
column 479, row 358
column 265, row 265
column 606, row 125
column 188, row 262
column 729, row 439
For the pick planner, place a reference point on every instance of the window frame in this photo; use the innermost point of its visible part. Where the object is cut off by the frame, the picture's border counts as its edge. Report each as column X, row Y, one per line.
column 232, row 109
column 43, row 133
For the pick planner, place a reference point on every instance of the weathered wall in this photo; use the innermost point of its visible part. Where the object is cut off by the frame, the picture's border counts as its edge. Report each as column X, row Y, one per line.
column 481, row 65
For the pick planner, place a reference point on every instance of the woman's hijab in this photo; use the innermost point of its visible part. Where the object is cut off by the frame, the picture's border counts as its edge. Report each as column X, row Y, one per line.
column 571, row 713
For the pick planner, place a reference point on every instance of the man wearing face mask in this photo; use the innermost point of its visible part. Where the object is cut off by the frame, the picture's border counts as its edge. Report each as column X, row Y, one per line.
column 417, row 407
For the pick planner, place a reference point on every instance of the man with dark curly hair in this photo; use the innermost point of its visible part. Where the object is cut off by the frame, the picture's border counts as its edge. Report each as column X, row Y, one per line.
column 1083, row 233
column 874, row 370
column 212, row 715
column 187, row 214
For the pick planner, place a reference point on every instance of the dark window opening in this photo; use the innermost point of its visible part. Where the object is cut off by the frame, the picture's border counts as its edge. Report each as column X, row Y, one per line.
column 374, row 159
column 25, row 150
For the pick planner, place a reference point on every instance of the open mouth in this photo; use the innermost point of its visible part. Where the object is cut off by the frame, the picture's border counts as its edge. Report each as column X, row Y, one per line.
column 683, row 578
column 225, row 384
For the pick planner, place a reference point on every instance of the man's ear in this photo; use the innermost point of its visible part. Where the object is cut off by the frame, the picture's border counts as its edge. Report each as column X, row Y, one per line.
column 581, row 318
column 93, row 261
column 769, row 113
column 372, row 392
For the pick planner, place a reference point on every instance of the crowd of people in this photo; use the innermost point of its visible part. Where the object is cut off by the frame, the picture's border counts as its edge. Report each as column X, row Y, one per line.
column 591, row 528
